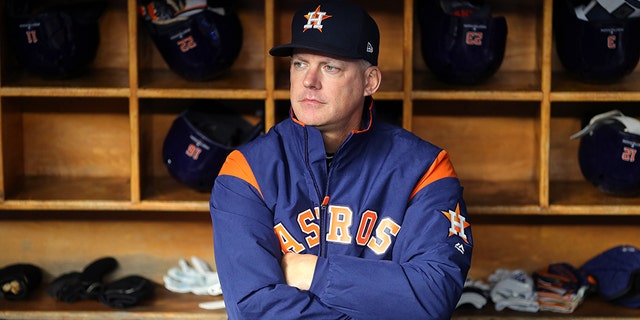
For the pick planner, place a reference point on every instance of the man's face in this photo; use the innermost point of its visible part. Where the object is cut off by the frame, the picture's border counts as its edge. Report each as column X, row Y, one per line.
column 327, row 92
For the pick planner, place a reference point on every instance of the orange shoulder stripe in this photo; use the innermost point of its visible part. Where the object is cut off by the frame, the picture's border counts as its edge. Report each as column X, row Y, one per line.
column 440, row 168
column 237, row 166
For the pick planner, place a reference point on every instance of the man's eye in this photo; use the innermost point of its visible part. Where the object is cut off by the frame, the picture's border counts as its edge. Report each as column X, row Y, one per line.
column 331, row 68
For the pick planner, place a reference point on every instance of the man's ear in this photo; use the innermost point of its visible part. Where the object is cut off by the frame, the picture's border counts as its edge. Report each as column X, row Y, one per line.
column 373, row 77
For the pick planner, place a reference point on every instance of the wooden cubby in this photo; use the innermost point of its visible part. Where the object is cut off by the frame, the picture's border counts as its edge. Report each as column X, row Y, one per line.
column 82, row 174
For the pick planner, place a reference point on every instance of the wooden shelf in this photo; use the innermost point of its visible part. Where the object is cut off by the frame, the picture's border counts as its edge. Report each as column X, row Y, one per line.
column 163, row 84
column 169, row 305
column 93, row 78
column 163, row 305
column 585, row 194
column 508, row 85
column 47, row 188
column 104, row 83
column 82, row 174
column 591, row 309
column 566, row 88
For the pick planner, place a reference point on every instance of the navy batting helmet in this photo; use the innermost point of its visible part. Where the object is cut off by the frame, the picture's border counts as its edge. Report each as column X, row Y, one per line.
column 198, row 42
column 55, row 39
column 461, row 42
column 608, row 153
column 200, row 139
column 595, row 41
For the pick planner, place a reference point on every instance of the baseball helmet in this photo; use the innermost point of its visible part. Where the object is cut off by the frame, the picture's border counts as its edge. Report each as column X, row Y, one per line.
column 608, row 153
column 198, row 40
column 200, row 139
column 55, row 39
column 595, row 41
column 461, row 42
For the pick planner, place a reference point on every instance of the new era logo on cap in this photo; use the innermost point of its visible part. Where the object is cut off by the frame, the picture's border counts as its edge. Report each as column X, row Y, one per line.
column 338, row 28
column 370, row 47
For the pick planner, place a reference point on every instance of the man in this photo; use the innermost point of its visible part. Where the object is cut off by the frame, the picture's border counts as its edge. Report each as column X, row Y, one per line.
column 334, row 214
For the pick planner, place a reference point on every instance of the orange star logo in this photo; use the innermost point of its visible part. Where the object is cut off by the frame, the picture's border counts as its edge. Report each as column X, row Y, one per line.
column 314, row 19
column 458, row 223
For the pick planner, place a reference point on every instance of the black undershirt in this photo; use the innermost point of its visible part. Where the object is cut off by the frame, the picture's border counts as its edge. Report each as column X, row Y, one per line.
column 329, row 157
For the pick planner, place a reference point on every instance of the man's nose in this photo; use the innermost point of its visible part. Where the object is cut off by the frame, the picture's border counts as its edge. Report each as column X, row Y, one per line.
column 311, row 79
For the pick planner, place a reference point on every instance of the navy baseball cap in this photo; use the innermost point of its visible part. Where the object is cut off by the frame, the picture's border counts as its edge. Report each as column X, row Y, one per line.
column 617, row 272
column 337, row 28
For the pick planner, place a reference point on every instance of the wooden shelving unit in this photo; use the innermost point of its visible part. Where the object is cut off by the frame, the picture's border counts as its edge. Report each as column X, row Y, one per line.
column 81, row 172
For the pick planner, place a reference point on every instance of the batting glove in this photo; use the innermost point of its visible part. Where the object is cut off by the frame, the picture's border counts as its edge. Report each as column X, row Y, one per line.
column 197, row 278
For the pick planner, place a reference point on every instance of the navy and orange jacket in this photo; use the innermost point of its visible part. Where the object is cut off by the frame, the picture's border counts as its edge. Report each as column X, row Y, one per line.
column 386, row 219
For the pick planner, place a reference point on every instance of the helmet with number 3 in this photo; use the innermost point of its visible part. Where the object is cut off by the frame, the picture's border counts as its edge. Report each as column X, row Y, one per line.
column 608, row 153
column 55, row 39
column 200, row 139
column 198, row 39
column 462, row 43
column 597, row 40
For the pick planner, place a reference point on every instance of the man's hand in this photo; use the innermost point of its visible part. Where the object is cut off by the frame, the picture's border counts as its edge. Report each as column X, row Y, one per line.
column 298, row 269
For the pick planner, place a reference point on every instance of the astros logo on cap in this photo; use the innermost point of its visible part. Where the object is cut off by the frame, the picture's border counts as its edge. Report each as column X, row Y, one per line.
column 314, row 19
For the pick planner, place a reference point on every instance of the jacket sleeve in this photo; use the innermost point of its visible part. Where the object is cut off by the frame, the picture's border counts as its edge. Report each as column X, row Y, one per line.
column 248, row 254
column 428, row 266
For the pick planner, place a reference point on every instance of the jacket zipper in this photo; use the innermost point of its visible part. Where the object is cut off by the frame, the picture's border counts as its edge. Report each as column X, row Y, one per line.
column 324, row 206
column 325, row 201
column 323, row 225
